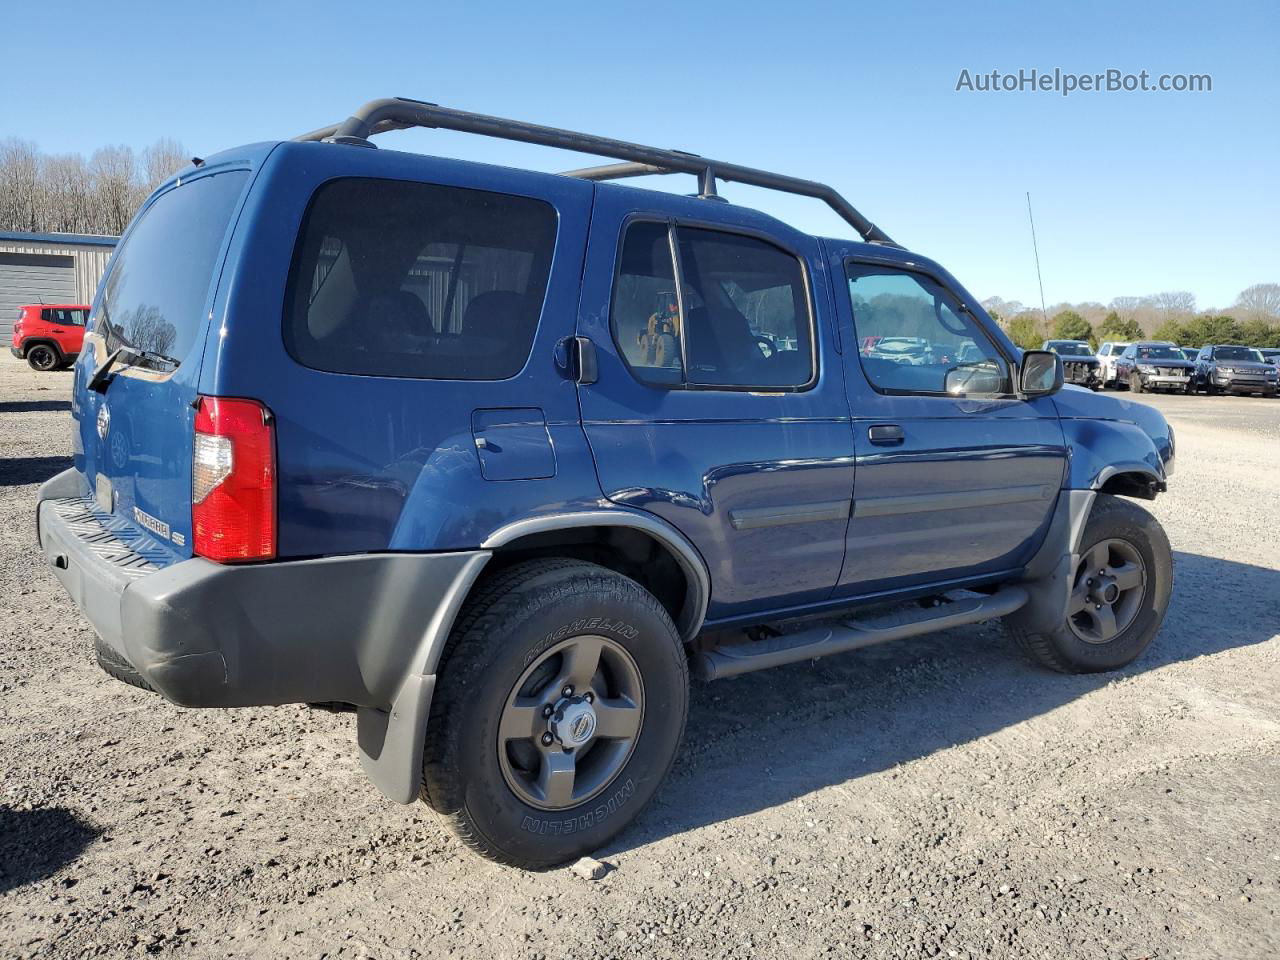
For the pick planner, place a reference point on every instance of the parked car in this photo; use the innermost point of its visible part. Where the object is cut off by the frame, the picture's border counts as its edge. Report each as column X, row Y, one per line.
column 1109, row 352
column 1231, row 368
column 405, row 439
column 1157, row 366
column 48, row 335
column 1080, row 364
column 1270, row 356
column 912, row 350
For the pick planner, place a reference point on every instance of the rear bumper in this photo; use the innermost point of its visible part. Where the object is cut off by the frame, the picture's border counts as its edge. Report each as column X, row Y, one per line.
column 351, row 629
column 18, row 352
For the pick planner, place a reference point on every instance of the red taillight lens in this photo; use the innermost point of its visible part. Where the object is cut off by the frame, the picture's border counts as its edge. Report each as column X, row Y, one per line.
column 233, row 481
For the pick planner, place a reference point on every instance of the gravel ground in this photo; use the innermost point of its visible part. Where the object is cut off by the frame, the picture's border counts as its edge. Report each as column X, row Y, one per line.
column 937, row 797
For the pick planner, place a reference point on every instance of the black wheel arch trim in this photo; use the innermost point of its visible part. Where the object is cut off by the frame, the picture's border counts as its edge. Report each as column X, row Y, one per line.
column 697, row 579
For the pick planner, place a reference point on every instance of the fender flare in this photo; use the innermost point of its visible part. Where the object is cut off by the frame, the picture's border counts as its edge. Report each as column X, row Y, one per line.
column 697, row 580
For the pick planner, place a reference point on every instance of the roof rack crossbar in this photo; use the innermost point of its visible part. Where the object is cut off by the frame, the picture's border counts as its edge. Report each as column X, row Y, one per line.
column 399, row 113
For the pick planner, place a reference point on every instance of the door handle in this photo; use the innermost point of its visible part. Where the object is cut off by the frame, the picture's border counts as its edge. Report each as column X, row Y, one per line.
column 885, row 434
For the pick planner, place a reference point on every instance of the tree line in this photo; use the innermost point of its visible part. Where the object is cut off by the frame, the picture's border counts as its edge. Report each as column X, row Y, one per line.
column 69, row 193
column 1253, row 320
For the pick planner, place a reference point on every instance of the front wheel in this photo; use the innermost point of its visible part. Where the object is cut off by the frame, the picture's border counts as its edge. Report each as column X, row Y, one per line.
column 1135, row 383
column 558, row 711
column 1119, row 593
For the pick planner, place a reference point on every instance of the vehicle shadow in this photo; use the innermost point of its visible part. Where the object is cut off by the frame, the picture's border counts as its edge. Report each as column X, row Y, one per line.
column 770, row 737
column 34, row 406
column 35, row 844
column 17, row 471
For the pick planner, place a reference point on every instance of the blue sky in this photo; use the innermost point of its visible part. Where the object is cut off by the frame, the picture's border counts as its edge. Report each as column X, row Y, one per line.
column 1134, row 192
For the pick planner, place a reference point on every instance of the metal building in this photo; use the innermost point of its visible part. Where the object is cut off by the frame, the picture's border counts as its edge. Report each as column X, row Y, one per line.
column 48, row 268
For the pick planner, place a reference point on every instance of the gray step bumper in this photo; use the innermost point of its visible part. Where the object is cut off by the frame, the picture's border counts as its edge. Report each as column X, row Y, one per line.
column 367, row 630
column 208, row 635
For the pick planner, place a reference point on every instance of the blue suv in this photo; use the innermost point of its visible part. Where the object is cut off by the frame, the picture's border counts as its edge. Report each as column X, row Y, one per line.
column 499, row 458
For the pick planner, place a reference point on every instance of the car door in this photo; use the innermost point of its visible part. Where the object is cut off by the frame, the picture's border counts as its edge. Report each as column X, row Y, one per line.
column 1200, row 376
column 956, row 475
column 719, row 404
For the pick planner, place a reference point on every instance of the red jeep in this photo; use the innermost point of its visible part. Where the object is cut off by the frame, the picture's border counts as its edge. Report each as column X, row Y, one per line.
column 48, row 335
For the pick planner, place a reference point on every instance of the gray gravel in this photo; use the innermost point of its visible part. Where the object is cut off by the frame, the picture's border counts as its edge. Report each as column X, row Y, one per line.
column 938, row 797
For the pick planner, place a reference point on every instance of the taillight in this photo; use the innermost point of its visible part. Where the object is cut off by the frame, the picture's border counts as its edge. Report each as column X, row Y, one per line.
column 233, row 481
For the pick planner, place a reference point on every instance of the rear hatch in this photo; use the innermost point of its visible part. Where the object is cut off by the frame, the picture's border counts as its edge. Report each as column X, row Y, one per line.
column 134, row 432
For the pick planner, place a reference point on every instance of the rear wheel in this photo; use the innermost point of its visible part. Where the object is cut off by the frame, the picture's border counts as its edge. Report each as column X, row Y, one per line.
column 1120, row 591
column 42, row 357
column 558, row 712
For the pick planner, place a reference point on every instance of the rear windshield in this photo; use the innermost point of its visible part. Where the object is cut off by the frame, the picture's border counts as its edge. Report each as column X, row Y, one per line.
column 400, row 279
column 160, row 277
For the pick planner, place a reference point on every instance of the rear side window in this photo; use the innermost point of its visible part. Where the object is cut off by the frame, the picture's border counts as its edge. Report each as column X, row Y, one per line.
column 740, row 318
column 160, row 276
column 69, row 317
column 399, row 279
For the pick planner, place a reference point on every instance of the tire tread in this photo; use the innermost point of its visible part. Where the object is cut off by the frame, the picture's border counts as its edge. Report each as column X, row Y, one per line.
column 496, row 600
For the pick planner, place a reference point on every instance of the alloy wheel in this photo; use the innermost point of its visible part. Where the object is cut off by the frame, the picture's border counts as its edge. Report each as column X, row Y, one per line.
column 1109, row 588
column 571, row 722
column 42, row 358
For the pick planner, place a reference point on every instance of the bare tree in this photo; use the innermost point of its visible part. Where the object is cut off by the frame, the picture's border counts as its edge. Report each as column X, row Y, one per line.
column 1259, row 302
column 65, row 194
column 1128, row 307
column 114, row 171
column 162, row 160
column 19, row 185
column 1174, row 304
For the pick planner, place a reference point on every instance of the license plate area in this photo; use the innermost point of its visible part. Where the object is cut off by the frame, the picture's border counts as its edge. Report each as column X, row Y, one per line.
column 104, row 496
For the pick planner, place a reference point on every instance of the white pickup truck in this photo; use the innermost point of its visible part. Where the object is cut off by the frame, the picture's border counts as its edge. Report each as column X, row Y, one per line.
column 1108, row 353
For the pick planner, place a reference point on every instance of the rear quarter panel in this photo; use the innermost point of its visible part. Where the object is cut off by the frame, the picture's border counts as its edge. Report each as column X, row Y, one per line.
column 370, row 463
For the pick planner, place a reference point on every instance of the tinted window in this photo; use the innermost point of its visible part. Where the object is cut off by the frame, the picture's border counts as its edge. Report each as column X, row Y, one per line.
column 1236, row 353
column 160, row 276
column 913, row 338
column 745, row 319
column 646, row 311
column 69, row 317
column 402, row 279
column 1070, row 349
column 746, row 312
column 1155, row 352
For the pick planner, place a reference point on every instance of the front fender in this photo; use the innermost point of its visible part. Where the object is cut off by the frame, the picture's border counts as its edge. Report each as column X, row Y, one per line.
column 1107, row 436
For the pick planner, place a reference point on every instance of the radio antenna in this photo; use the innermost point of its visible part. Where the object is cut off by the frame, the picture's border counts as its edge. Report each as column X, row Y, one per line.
column 1035, row 249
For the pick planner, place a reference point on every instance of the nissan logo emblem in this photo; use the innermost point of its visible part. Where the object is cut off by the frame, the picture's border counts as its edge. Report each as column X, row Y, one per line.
column 104, row 421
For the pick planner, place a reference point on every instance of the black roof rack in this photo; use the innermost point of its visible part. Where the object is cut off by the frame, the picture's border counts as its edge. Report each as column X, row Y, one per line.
column 399, row 113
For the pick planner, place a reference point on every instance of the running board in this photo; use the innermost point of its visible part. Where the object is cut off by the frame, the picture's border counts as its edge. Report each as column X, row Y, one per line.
column 733, row 659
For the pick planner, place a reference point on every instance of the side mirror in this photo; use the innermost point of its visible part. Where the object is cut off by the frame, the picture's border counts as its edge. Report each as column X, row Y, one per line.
column 980, row 378
column 1040, row 373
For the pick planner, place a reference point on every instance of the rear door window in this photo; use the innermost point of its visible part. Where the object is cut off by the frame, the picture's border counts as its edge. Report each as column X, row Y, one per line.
column 400, row 279
column 154, row 298
column 737, row 318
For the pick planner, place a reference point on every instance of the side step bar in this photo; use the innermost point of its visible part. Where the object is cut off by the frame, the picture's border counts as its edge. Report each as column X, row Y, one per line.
column 733, row 659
